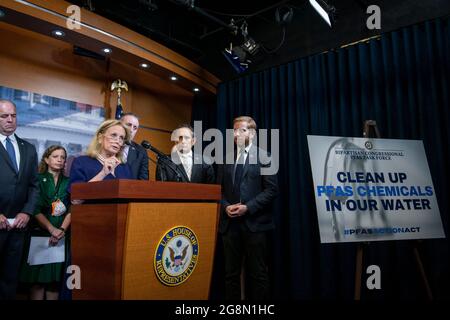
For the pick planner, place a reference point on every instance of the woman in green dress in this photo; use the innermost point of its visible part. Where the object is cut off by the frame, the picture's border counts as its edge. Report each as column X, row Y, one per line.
column 53, row 220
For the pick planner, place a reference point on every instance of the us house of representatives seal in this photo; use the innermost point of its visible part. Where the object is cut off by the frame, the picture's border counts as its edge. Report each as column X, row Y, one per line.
column 176, row 256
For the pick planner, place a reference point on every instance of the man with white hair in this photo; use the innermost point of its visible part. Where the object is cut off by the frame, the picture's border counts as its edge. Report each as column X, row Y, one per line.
column 18, row 197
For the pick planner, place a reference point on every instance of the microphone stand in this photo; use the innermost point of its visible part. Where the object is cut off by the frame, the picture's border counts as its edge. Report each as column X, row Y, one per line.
column 164, row 161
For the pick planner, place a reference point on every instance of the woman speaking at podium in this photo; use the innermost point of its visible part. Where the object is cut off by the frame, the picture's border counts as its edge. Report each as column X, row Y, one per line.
column 104, row 158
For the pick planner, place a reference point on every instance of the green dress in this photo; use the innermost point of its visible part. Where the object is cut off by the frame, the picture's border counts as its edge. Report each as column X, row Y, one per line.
column 48, row 193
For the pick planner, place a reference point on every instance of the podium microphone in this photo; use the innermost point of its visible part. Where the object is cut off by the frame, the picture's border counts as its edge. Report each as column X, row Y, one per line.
column 147, row 145
column 163, row 159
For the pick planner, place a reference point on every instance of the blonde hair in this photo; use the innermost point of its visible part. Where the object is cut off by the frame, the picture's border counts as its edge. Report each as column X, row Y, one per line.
column 94, row 147
column 249, row 120
column 43, row 166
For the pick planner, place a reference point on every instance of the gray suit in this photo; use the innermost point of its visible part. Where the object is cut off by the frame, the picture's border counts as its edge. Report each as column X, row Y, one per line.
column 18, row 193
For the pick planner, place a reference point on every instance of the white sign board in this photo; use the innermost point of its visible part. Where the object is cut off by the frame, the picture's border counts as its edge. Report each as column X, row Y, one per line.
column 373, row 190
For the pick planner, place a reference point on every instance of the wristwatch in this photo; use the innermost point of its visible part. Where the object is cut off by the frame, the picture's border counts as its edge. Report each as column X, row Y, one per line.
column 62, row 229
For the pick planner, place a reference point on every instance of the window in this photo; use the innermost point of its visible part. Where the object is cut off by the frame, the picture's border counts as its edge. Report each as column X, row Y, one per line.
column 49, row 143
column 55, row 102
column 37, row 98
column 18, row 94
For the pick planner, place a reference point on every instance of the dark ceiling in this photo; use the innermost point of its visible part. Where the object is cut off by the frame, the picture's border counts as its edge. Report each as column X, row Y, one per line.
column 202, row 39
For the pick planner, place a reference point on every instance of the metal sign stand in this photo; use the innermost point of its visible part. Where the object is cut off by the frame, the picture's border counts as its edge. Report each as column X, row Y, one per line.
column 371, row 131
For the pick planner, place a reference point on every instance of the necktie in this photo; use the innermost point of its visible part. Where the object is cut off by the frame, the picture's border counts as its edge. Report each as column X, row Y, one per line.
column 125, row 152
column 186, row 160
column 239, row 169
column 11, row 153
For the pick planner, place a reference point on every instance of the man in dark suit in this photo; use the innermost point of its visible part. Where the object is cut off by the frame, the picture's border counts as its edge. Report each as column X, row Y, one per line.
column 247, row 195
column 187, row 166
column 18, row 197
column 135, row 154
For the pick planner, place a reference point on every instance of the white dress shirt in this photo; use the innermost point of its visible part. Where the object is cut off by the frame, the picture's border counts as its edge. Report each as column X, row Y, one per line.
column 186, row 161
column 247, row 148
column 14, row 142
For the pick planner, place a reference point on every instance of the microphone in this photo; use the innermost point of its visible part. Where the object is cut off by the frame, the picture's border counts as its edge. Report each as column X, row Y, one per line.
column 147, row 145
column 163, row 159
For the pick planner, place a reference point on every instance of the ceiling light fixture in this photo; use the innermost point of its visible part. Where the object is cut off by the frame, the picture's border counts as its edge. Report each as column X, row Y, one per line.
column 144, row 65
column 107, row 50
column 58, row 33
column 173, row 78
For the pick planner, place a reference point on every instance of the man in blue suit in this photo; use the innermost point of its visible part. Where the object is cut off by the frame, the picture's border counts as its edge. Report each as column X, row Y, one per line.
column 18, row 197
column 136, row 155
column 246, row 215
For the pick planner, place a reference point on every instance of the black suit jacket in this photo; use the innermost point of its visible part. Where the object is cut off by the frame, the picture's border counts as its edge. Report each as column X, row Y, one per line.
column 138, row 161
column 19, row 192
column 201, row 172
column 256, row 191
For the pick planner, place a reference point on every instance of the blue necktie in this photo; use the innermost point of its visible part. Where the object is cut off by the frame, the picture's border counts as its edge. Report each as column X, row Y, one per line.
column 11, row 153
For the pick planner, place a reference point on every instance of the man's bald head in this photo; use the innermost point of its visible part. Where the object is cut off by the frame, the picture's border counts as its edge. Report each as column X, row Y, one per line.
column 8, row 121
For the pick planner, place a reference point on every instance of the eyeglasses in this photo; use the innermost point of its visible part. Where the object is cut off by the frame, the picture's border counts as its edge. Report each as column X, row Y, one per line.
column 116, row 137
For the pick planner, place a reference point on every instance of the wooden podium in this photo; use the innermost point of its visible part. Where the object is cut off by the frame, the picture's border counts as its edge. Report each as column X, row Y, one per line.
column 117, row 230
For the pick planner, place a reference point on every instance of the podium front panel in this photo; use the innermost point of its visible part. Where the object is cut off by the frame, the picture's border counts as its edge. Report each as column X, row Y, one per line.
column 146, row 226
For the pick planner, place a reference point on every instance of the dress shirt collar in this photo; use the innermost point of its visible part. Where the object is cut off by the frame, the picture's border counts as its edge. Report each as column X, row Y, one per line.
column 185, row 155
column 11, row 137
column 247, row 148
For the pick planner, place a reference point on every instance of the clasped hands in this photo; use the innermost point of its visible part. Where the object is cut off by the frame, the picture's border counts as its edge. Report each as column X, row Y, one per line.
column 20, row 222
column 57, row 234
column 109, row 165
column 236, row 210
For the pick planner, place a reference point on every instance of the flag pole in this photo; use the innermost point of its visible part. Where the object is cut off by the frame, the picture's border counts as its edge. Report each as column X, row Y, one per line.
column 119, row 85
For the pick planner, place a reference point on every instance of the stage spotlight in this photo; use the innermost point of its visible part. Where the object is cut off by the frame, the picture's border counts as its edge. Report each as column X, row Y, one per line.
column 236, row 56
column 250, row 46
column 326, row 11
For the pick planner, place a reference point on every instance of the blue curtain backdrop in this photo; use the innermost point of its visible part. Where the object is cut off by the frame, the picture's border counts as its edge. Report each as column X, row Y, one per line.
column 401, row 80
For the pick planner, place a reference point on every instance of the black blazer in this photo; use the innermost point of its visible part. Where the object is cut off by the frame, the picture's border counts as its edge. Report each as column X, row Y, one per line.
column 138, row 161
column 19, row 192
column 201, row 172
column 257, row 192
